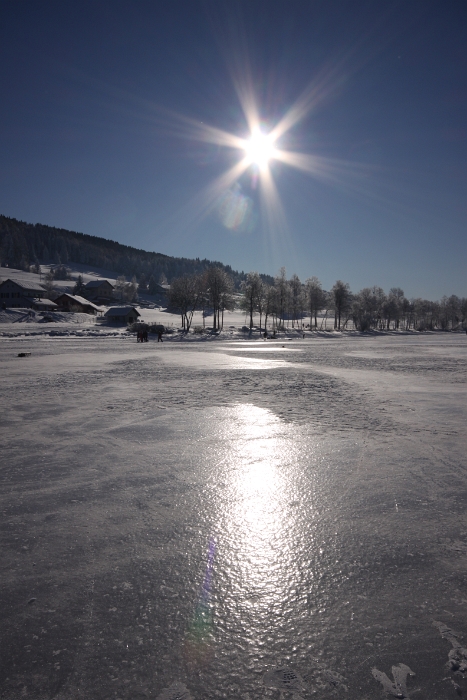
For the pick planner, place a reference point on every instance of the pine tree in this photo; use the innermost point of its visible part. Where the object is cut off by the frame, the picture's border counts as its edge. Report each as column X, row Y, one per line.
column 152, row 285
column 143, row 285
column 79, row 286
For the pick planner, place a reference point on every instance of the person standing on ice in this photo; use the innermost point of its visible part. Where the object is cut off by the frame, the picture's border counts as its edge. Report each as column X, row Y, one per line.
column 159, row 336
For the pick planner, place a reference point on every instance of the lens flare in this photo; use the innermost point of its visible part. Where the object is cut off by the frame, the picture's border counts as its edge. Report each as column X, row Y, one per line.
column 235, row 209
column 197, row 645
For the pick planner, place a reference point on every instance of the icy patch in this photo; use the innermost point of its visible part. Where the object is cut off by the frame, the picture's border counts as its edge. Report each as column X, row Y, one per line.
column 398, row 689
column 327, row 679
column 283, row 679
column 458, row 654
column 177, row 691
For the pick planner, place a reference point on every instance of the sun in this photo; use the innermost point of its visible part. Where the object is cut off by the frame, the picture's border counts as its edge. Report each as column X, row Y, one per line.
column 263, row 140
column 259, row 149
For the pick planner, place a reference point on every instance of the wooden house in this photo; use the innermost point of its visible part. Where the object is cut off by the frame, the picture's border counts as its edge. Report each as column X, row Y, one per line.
column 20, row 295
column 122, row 314
column 74, row 302
column 98, row 290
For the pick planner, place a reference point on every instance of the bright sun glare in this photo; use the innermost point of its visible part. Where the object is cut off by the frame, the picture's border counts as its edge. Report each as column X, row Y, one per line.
column 259, row 149
column 226, row 194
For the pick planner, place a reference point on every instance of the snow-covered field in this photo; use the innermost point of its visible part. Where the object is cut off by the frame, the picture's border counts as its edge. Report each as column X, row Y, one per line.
column 87, row 272
column 233, row 520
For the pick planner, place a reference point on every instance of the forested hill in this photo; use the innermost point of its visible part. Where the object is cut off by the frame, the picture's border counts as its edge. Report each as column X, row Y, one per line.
column 23, row 244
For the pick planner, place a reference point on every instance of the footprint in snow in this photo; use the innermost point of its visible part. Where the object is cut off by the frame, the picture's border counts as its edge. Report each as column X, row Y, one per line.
column 398, row 689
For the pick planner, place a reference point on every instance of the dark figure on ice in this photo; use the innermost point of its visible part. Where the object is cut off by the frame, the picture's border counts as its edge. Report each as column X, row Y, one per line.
column 159, row 336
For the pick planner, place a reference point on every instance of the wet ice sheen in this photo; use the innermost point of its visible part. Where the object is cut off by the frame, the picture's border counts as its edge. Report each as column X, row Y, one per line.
column 182, row 540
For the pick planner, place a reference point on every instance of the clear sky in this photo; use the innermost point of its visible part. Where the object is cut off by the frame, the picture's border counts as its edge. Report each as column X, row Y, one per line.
column 130, row 120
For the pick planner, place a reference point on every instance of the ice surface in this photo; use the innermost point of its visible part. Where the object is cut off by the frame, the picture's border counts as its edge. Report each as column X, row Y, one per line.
column 196, row 520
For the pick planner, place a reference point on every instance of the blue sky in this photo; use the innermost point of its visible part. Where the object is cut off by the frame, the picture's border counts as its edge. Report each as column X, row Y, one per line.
column 104, row 130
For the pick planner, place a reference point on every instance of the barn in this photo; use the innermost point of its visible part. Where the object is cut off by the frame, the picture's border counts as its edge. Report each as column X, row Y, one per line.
column 20, row 295
column 98, row 290
column 73, row 302
column 122, row 314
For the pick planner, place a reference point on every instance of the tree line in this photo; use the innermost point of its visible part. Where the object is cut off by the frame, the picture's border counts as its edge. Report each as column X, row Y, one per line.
column 293, row 303
column 24, row 246
column 202, row 284
column 212, row 290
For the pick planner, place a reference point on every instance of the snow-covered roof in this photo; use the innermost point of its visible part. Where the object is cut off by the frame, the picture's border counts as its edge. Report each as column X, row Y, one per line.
column 93, row 284
column 121, row 311
column 44, row 302
column 80, row 300
column 26, row 285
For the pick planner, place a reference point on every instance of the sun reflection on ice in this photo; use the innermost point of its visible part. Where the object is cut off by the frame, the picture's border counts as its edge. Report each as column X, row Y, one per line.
column 255, row 522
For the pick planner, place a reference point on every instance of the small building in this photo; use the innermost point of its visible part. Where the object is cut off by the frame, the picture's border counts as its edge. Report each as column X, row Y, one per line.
column 98, row 290
column 20, row 295
column 74, row 302
column 160, row 288
column 122, row 314
column 44, row 305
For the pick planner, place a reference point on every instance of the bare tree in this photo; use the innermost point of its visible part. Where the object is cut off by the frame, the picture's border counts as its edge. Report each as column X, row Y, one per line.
column 126, row 291
column 368, row 308
column 184, row 295
column 328, row 306
column 296, row 299
column 251, row 290
column 315, row 298
column 227, row 300
column 377, row 299
column 422, row 312
column 463, row 311
column 219, row 286
column 269, row 303
column 394, row 305
column 262, row 303
column 131, row 290
column 454, row 310
column 120, row 287
column 50, row 291
column 282, row 295
column 341, row 298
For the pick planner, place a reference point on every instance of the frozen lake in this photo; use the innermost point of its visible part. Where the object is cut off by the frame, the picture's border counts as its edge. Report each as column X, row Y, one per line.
column 233, row 520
